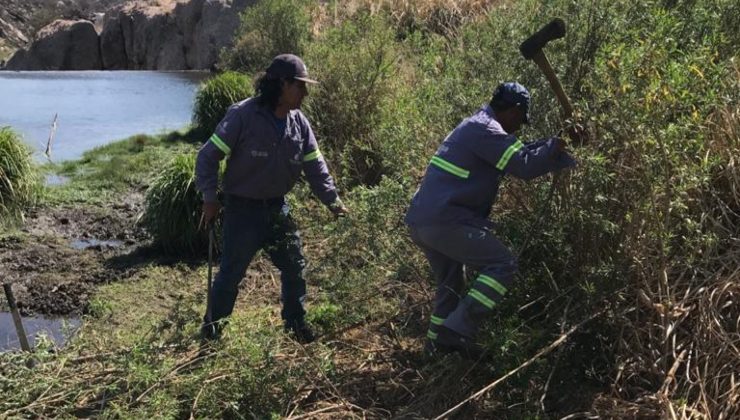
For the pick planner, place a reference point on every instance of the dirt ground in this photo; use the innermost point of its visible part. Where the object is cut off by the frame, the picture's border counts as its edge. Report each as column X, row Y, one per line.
column 62, row 253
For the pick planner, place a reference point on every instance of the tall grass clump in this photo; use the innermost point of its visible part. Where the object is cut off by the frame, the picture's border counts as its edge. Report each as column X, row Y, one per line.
column 173, row 208
column 267, row 29
column 19, row 178
column 215, row 96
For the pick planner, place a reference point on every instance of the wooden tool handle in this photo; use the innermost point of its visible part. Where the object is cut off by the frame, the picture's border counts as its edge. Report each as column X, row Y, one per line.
column 544, row 65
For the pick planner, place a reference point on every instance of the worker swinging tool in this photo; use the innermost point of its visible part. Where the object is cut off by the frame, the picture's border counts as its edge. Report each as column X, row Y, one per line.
column 449, row 214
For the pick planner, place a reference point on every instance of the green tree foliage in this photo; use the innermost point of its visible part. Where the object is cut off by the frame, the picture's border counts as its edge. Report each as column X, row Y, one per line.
column 215, row 96
column 357, row 64
column 268, row 28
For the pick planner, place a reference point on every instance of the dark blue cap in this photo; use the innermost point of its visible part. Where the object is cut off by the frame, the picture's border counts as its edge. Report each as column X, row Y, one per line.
column 289, row 66
column 513, row 94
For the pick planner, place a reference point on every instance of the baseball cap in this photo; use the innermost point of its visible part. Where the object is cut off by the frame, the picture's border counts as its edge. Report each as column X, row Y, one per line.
column 514, row 94
column 289, row 66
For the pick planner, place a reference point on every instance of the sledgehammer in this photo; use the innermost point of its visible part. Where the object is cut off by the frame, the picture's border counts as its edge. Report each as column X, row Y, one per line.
column 531, row 49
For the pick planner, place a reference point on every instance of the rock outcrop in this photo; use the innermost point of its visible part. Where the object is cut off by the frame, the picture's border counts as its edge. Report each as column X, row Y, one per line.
column 20, row 20
column 61, row 45
column 144, row 35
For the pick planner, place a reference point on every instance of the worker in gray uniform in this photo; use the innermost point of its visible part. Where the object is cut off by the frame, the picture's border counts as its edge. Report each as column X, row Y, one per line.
column 268, row 144
column 448, row 216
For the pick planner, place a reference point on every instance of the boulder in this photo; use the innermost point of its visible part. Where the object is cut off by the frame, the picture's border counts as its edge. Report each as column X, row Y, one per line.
column 61, row 45
column 187, row 16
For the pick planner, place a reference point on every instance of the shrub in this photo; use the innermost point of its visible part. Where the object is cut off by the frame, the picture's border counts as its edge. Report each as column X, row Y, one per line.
column 356, row 67
column 267, row 29
column 19, row 178
column 215, row 96
column 173, row 208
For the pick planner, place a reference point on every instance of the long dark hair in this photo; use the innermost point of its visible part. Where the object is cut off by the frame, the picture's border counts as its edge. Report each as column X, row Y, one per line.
column 268, row 90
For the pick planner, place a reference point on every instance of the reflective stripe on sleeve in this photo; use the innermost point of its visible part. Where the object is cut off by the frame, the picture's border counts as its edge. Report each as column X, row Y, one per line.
column 483, row 299
column 437, row 320
column 216, row 140
column 312, row 156
column 492, row 283
column 450, row 167
column 508, row 154
column 431, row 335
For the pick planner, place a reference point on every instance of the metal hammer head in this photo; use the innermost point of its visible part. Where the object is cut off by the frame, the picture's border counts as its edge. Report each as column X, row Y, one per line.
column 536, row 42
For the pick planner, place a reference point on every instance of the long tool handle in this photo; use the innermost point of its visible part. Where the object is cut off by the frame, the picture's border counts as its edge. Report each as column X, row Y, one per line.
column 544, row 64
column 211, row 240
column 16, row 318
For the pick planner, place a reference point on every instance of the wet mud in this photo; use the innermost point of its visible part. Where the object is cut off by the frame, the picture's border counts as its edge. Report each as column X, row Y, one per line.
column 63, row 253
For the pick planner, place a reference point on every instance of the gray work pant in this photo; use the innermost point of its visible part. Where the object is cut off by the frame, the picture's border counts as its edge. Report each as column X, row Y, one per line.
column 450, row 247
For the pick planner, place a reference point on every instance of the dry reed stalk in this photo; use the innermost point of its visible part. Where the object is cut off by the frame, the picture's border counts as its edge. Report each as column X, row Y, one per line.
column 440, row 16
column 679, row 355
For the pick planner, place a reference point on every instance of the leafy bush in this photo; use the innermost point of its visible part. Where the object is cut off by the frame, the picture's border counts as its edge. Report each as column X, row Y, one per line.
column 19, row 178
column 215, row 96
column 173, row 208
column 356, row 65
column 267, row 29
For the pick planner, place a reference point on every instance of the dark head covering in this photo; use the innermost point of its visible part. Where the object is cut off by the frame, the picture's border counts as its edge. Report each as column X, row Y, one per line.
column 289, row 66
column 512, row 94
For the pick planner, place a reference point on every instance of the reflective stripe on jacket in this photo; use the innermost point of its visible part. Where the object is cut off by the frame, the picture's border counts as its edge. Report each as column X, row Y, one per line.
column 261, row 164
column 462, row 179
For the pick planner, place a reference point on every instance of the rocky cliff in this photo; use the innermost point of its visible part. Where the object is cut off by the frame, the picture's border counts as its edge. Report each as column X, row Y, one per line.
column 142, row 34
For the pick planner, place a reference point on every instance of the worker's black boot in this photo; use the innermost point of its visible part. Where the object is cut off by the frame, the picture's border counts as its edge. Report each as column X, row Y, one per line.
column 449, row 340
column 211, row 331
column 433, row 348
column 299, row 331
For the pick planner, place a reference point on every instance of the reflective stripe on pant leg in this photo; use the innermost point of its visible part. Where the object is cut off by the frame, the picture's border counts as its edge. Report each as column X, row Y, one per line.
column 487, row 291
column 434, row 323
column 477, row 247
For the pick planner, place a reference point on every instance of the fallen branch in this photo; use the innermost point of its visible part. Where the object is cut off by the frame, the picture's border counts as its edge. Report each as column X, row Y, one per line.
column 555, row 344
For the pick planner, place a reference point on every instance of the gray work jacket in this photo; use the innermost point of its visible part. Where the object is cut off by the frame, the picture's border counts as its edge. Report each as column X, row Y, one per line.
column 462, row 179
column 260, row 163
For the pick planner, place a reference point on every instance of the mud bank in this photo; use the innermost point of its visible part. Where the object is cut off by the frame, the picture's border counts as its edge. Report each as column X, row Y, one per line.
column 51, row 273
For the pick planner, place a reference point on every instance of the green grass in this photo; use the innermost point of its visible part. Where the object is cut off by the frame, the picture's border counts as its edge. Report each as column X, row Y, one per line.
column 108, row 171
column 139, row 343
column 6, row 51
column 267, row 29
